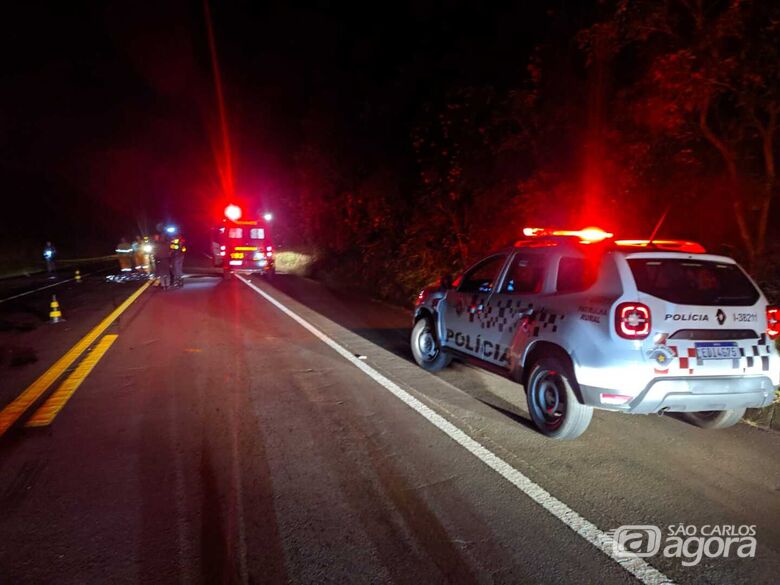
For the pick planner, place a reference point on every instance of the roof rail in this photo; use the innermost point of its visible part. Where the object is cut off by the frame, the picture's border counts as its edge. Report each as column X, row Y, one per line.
column 668, row 245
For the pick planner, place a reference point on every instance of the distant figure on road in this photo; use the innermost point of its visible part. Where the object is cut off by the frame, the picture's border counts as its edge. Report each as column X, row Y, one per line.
column 177, row 260
column 124, row 252
column 49, row 252
column 140, row 255
column 162, row 261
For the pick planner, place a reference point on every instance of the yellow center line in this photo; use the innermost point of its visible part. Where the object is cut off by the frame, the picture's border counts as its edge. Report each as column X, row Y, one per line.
column 11, row 413
column 54, row 404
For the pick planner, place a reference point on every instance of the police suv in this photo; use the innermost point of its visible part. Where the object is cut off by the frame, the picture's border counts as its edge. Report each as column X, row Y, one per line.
column 584, row 321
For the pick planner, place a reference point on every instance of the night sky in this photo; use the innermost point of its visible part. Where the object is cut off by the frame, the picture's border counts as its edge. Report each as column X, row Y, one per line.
column 108, row 121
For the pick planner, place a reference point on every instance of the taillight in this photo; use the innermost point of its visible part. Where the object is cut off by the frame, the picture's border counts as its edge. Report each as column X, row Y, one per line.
column 773, row 321
column 632, row 320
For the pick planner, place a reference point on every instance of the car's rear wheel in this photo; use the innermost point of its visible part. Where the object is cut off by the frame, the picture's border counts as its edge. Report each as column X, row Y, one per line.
column 426, row 348
column 715, row 419
column 553, row 406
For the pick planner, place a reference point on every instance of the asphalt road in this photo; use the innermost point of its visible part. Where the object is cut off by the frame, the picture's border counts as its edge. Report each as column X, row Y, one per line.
column 220, row 441
column 12, row 288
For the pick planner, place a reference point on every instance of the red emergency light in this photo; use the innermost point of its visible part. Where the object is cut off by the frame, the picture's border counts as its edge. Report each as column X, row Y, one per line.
column 593, row 235
column 233, row 212
column 670, row 245
column 588, row 235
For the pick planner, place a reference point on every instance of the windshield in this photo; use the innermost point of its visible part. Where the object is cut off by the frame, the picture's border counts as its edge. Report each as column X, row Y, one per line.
column 246, row 234
column 693, row 282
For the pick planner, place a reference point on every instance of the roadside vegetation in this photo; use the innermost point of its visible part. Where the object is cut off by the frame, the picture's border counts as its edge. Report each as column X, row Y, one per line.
column 654, row 105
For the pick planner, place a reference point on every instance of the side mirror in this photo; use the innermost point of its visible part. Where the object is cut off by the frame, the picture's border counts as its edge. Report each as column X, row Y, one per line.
column 445, row 282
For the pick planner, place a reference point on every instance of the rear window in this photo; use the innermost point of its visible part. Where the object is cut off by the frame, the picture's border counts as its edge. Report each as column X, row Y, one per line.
column 693, row 282
column 257, row 234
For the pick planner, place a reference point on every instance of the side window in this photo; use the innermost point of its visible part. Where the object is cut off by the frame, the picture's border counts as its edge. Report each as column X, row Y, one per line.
column 482, row 277
column 575, row 275
column 525, row 276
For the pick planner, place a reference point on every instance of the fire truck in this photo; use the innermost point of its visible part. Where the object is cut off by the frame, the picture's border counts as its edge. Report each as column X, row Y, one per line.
column 242, row 245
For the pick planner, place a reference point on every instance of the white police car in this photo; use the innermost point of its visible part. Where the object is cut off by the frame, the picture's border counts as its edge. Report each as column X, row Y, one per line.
column 584, row 321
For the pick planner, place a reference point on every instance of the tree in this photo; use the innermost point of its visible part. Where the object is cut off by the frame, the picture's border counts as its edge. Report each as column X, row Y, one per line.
column 707, row 76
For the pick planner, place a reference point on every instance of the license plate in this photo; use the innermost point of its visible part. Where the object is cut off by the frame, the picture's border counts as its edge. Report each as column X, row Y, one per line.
column 723, row 350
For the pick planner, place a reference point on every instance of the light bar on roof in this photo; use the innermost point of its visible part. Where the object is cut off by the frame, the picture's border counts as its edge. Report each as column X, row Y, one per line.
column 588, row 235
column 670, row 245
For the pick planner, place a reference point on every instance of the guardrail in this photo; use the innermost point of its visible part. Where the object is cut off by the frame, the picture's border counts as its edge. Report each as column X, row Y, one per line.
column 71, row 261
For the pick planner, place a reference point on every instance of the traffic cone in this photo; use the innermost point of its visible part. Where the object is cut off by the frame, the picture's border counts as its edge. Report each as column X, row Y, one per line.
column 78, row 276
column 55, row 315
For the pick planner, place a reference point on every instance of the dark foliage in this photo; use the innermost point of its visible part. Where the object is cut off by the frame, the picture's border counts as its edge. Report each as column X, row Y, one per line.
column 647, row 105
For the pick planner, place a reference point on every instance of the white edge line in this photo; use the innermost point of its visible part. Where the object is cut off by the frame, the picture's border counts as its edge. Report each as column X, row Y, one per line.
column 603, row 541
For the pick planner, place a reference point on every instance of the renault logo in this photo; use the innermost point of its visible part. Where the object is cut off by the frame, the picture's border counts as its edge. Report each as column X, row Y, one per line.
column 720, row 316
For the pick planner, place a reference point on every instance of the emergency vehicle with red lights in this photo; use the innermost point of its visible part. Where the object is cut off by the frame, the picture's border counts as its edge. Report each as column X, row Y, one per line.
column 241, row 245
column 585, row 321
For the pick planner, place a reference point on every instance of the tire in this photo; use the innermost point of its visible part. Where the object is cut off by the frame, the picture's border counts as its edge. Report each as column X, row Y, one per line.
column 426, row 348
column 715, row 419
column 553, row 406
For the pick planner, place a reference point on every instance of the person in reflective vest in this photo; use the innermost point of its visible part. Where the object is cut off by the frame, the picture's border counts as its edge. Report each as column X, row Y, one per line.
column 124, row 252
column 162, row 261
column 49, row 252
column 140, row 256
column 177, row 260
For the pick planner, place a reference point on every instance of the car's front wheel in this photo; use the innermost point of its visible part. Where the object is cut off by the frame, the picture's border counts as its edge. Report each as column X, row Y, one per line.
column 553, row 406
column 426, row 348
column 716, row 419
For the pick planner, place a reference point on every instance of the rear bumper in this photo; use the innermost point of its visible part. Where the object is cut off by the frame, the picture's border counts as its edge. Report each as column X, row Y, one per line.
column 234, row 270
column 691, row 394
column 249, row 268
